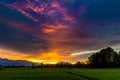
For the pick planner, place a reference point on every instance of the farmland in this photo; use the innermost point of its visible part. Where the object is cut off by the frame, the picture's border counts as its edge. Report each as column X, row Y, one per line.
column 59, row 74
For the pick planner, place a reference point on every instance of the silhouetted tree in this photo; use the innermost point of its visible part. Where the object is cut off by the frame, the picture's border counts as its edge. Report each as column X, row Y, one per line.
column 117, row 60
column 105, row 58
column 1, row 67
column 63, row 65
column 33, row 65
column 78, row 65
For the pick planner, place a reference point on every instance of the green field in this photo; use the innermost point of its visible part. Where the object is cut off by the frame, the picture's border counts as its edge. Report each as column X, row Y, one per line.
column 59, row 74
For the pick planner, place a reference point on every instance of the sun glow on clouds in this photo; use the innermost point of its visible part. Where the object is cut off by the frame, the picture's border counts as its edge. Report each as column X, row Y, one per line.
column 50, row 57
column 48, row 9
column 11, row 54
column 53, row 28
column 58, row 27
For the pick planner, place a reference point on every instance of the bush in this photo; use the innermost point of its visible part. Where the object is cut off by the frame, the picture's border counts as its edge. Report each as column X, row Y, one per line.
column 1, row 67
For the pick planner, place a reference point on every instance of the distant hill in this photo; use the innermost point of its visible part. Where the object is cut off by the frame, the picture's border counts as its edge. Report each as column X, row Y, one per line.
column 7, row 62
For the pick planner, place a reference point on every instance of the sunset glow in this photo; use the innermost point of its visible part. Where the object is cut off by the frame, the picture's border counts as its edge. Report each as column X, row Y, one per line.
column 51, row 31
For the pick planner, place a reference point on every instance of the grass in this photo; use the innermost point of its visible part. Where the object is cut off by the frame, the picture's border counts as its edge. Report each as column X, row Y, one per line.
column 59, row 74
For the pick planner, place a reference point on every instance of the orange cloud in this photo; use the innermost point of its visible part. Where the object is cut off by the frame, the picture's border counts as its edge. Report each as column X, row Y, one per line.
column 53, row 28
column 11, row 54
column 45, row 57
column 53, row 56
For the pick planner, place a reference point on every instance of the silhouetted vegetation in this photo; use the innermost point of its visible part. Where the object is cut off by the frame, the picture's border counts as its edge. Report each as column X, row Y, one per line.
column 78, row 65
column 64, row 65
column 105, row 58
column 1, row 67
column 33, row 66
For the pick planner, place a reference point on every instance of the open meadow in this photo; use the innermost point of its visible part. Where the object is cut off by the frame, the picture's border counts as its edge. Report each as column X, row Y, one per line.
column 59, row 74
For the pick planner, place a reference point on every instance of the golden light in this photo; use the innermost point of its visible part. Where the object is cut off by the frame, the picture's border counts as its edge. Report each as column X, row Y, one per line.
column 13, row 55
column 42, row 61
column 50, row 57
column 36, row 61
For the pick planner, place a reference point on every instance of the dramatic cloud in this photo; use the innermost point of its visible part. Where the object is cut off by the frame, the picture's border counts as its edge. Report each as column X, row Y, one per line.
column 43, row 28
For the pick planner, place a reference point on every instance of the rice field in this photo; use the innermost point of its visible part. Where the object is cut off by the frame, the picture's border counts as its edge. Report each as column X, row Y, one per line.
column 59, row 74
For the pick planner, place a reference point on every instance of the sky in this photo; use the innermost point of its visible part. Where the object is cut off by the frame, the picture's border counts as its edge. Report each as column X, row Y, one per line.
column 51, row 31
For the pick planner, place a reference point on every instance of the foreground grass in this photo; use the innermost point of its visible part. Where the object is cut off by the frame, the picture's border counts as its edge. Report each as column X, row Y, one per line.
column 59, row 74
